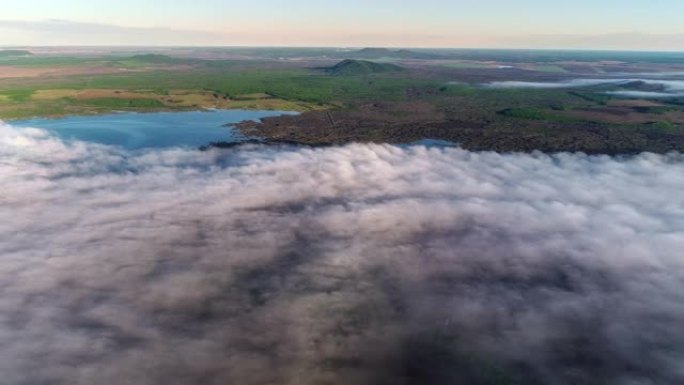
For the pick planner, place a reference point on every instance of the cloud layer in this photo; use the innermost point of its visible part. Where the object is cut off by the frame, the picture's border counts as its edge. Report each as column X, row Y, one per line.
column 366, row 264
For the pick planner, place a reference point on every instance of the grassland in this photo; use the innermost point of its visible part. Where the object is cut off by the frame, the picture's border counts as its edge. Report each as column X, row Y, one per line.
column 158, row 83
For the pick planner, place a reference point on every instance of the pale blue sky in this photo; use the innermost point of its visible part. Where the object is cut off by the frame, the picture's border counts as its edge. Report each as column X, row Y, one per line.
column 637, row 24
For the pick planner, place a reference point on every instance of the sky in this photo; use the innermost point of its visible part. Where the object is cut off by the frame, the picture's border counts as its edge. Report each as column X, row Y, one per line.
column 605, row 24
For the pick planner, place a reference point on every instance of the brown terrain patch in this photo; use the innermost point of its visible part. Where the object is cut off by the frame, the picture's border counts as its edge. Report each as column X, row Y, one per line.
column 368, row 122
column 624, row 115
column 633, row 103
column 7, row 72
column 104, row 93
column 408, row 122
column 10, row 72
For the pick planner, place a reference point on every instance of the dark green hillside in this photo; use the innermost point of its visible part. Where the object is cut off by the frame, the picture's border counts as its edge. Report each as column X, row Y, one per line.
column 361, row 67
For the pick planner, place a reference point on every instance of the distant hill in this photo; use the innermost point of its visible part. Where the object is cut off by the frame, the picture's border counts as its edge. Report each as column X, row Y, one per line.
column 640, row 85
column 408, row 54
column 152, row 60
column 361, row 67
column 14, row 53
column 374, row 53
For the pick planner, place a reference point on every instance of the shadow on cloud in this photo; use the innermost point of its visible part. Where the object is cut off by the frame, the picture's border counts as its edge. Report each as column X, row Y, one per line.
column 367, row 264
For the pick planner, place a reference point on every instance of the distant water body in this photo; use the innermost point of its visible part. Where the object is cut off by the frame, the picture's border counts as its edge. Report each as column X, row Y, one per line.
column 151, row 130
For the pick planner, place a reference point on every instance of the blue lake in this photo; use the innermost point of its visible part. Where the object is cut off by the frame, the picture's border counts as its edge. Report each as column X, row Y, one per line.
column 151, row 130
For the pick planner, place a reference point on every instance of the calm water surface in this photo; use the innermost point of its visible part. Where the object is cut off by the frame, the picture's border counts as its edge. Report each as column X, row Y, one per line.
column 151, row 130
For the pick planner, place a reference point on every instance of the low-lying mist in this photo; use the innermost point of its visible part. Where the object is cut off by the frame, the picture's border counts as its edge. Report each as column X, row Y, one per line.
column 660, row 88
column 363, row 264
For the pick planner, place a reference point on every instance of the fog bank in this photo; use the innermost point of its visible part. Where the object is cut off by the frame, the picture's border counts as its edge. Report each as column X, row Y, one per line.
column 667, row 88
column 363, row 264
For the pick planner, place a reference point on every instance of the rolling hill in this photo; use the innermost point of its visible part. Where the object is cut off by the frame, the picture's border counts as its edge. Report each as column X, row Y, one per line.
column 351, row 67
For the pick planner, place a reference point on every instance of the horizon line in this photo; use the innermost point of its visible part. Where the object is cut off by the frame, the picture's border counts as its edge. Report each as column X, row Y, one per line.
column 343, row 47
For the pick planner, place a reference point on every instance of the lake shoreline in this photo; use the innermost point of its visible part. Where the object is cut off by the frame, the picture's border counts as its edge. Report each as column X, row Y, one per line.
column 136, row 130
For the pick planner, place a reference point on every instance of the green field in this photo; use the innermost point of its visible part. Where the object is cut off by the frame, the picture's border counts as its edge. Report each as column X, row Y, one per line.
column 301, row 89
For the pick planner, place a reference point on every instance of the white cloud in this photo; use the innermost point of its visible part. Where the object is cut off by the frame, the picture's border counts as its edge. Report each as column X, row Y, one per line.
column 572, row 83
column 355, row 264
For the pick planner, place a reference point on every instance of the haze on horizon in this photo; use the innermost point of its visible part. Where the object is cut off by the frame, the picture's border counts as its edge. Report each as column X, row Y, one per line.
column 580, row 24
